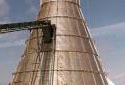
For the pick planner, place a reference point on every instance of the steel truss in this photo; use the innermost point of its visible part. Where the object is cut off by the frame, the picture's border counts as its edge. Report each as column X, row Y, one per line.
column 46, row 27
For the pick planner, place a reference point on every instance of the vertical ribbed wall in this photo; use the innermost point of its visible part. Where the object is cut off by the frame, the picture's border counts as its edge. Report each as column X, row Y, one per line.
column 76, row 60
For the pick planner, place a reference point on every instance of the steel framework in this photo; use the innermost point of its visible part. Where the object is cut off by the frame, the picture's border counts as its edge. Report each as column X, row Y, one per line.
column 46, row 27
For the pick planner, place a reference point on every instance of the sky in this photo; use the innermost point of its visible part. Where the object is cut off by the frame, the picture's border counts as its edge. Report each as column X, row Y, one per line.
column 106, row 22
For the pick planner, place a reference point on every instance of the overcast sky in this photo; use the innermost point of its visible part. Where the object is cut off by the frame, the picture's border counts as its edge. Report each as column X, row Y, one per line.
column 106, row 20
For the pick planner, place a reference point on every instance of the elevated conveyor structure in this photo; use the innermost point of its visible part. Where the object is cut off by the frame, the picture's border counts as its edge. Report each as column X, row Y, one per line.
column 71, row 57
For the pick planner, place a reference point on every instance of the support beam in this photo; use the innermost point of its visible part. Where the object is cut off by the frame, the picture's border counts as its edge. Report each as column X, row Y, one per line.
column 46, row 27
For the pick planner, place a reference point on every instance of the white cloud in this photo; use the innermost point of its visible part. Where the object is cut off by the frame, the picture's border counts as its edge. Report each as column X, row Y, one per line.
column 110, row 43
column 110, row 82
column 33, row 8
column 13, row 39
column 12, row 44
column 3, row 8
column 108, row 29
column 110, row 38
column 120, row 76
column 4, row 11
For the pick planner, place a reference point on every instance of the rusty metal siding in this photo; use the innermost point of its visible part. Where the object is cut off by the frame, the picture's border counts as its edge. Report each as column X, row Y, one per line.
column 75, row 61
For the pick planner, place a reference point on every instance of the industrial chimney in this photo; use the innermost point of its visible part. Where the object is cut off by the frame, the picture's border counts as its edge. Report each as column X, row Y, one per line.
column 70, row 59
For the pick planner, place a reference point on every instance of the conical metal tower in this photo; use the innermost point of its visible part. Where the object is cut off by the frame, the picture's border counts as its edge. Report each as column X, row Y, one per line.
column 70, row 59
